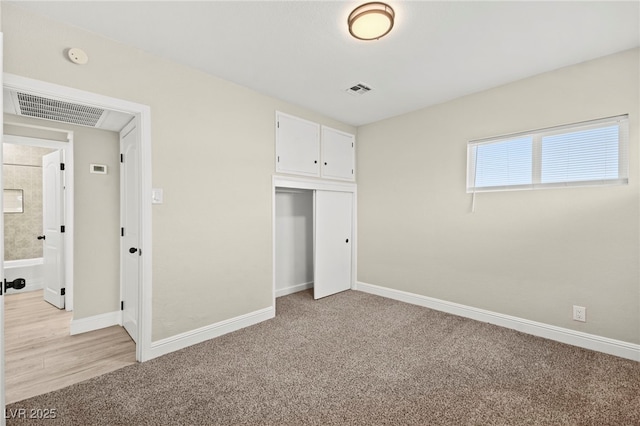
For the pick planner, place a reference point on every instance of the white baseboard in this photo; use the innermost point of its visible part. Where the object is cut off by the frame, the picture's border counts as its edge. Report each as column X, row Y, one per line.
column 96, row 322
column 294, row 289
column 564, row 335
column 183, row 340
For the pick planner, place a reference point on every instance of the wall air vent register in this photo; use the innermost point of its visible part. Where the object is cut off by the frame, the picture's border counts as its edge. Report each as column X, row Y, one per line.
column 51, row 109
column 62, row 111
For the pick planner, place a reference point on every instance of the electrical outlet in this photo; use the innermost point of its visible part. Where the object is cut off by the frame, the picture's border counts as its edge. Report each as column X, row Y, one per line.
column 579, row 313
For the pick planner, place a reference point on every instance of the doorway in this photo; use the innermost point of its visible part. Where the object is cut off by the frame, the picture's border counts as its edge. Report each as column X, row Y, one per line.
column 36, row 246
column 58, row 358
column 313, row 236
column 141, row 115
column 293, row 240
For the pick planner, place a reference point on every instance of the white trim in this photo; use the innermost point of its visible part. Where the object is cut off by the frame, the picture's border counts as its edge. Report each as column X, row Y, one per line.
column 95, row 322
column 143, row 115
column 3, row 421
column 199, row 335
column 294, row 289
column 560, row 334
column 310, row 183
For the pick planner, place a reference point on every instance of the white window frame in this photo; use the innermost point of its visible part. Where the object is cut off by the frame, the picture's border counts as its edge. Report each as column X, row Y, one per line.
column 536, row 170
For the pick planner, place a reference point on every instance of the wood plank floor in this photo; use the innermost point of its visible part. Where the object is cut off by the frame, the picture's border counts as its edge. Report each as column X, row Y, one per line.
column 41, row 356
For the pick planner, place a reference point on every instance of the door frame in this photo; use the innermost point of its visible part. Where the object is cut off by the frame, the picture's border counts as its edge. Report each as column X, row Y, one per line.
column 142, row 114
column 68, row 193
column 293, row 182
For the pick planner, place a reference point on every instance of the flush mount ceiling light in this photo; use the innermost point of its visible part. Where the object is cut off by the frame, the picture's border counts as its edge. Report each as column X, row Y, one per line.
column 371, row 21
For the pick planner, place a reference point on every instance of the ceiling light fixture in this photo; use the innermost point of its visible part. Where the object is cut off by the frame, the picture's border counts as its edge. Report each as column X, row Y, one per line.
column 371, row 21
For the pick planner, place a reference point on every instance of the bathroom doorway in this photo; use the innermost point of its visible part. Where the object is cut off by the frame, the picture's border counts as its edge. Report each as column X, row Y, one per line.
column 36, row 249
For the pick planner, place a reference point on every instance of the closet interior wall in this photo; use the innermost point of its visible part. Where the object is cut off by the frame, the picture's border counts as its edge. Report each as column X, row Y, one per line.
column 293, row 240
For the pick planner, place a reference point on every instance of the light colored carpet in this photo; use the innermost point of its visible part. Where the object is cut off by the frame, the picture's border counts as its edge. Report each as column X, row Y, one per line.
column 359, row 359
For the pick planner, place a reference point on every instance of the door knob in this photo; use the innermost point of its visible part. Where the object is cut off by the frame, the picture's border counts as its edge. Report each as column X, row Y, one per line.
column 133, row 250
column 41, row 237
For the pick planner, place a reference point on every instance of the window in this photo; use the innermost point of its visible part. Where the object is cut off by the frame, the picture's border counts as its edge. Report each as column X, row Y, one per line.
column 588, row 153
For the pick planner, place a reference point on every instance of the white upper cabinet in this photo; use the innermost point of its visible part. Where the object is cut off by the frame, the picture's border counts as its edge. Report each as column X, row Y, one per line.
column 303, row 149
column 338, row 154
column 297, row 145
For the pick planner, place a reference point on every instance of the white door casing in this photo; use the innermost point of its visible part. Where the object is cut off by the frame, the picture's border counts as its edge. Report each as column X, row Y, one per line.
column 52, row 223
column 333, row 240
column 2, row 398
column 130, row 250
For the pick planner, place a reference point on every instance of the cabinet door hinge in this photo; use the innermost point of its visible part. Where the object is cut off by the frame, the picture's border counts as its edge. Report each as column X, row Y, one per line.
column 122, row 305
column 63, row 291
column 122, row 158
column 62, row 167
column 122, row 232
column 62, row 229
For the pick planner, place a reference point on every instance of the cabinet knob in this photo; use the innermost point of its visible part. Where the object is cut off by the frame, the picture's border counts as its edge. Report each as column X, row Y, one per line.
column 315, row 162
column 325, row 163
column 347, row 240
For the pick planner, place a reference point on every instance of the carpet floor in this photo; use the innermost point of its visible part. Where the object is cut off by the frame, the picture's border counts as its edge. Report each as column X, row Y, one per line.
column 357, row 359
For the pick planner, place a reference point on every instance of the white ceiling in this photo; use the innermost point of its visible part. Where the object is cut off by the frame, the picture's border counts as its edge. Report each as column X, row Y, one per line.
column 301, row 51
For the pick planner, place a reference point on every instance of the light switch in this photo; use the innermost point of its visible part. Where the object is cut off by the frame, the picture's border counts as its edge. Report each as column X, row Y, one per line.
column 157, row 196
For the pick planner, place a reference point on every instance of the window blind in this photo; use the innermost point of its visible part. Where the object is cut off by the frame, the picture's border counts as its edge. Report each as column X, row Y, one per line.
column 587, row 153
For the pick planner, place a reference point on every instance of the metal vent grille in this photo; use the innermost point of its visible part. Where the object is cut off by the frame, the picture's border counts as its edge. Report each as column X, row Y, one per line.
column 50, row 109
column 359, row 89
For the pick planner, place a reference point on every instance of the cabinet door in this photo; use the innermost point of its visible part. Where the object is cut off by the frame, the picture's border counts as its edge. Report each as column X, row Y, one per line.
column 338, row 154
column 333, row 241
column 297, row 145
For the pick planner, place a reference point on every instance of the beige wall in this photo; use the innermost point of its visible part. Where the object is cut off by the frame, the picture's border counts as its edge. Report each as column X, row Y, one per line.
column 530, row 254
column 213, row 145
column 96, row 213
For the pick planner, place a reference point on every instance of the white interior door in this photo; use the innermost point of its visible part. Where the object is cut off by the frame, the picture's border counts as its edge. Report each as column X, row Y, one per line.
column 130, row 250
column 333, row 241
column 52, row 221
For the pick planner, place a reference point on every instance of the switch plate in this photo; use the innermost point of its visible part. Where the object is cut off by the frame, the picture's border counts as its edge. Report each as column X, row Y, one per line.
column 157, row 196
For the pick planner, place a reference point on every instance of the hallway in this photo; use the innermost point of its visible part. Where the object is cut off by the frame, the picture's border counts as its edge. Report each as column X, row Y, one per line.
column 41, row 356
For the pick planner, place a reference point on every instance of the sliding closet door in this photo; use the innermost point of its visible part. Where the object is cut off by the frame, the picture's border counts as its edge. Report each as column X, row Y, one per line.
column 333, row 240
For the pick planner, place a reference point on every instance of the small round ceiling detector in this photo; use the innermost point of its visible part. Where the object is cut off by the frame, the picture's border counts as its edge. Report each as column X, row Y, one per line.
column 77, row 56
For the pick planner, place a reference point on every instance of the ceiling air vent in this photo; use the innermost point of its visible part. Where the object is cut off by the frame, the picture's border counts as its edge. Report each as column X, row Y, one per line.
column 51, row 109
column 359, row 89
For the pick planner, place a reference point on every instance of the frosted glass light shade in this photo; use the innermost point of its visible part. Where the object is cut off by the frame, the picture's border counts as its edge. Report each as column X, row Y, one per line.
column 371, row 21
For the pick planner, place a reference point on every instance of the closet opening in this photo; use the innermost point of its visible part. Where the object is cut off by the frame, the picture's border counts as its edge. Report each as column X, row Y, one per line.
column 293, row 240
column 313, row 236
